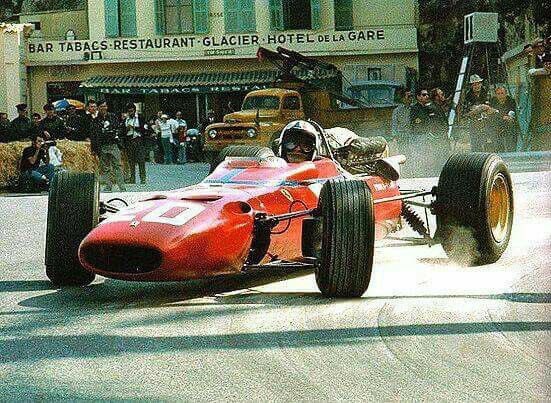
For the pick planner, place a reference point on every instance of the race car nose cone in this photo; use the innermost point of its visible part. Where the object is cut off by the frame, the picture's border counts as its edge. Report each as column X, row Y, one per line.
column 171, row 240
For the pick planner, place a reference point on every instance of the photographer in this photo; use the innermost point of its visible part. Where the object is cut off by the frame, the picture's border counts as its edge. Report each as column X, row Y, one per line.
column 105, row 143
column 35, row 162
column 134, row 142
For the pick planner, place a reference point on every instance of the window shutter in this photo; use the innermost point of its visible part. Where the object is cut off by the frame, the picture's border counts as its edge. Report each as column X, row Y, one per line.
column 276, row 15
column 111, row 8
column 201, row 16
column 128, row 17
column 343, row 15
column 160, row 22
column 231, row 15
column 316, row 13
column 248, row 17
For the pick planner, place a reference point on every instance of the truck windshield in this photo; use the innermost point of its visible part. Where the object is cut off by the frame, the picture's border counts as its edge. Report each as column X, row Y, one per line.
column 261, row 102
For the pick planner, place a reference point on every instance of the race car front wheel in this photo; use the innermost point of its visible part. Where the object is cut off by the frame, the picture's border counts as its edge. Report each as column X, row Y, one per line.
column 241, row 151
column 73, row 211
column 474, row 208
column 348, row 234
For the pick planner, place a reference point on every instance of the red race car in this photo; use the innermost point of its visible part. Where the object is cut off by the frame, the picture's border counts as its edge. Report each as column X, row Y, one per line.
column 258, row 211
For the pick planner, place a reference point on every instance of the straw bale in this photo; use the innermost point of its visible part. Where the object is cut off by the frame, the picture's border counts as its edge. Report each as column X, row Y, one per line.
column 76, row 157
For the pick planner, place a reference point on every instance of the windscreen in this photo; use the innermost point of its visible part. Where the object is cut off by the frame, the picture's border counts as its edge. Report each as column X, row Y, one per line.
column 261, row 102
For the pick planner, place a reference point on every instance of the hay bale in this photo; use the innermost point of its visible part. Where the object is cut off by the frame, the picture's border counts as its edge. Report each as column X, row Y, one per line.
column 76, row 157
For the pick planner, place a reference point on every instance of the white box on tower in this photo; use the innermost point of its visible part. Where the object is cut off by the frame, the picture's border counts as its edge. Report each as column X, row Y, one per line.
column 481, row 27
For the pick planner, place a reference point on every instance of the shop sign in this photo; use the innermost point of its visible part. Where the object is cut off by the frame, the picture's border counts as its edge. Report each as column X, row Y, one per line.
column 243, row 45
column 177, row 90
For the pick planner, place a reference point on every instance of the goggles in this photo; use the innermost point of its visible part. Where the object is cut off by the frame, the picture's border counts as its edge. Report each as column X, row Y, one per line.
column 305, row 148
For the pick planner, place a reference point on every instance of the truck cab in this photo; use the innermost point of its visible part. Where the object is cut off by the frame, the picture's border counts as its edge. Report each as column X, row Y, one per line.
column 263, row 115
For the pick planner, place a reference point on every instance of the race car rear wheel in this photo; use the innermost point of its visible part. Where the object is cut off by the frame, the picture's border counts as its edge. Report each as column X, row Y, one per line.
column 474, row 208
column 241, row 151
column 73, row 211
column 348, row 234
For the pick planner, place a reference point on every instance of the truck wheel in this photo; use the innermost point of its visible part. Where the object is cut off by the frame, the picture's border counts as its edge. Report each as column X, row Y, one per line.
column 241, row 151
column 348, row 234
column 474, row 208
column 73, row 211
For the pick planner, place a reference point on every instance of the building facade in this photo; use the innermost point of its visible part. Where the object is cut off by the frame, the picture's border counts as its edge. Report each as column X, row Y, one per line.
column 194, row 55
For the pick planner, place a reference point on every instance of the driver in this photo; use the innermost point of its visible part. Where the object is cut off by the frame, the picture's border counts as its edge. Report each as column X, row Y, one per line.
column 299, row 141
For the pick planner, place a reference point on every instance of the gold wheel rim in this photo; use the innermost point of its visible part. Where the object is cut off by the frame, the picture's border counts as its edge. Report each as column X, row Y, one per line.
column 499, row 208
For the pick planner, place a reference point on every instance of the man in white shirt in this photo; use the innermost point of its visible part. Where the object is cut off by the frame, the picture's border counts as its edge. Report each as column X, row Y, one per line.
column 134, row 127
column 167, row 128
column 180, row 139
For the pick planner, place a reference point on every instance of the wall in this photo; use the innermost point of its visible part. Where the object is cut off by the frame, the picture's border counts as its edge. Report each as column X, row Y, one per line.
column 381, row 27
column 12, row 70
column 55, row 24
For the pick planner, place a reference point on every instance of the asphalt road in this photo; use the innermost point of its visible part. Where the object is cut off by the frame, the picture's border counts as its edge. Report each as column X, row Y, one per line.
column 425, row 329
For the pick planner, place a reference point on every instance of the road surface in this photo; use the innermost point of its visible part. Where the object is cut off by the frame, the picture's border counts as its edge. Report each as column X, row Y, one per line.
column 425, row 329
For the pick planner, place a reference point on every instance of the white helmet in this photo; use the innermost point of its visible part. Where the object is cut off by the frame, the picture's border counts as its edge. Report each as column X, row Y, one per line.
column 299, row 130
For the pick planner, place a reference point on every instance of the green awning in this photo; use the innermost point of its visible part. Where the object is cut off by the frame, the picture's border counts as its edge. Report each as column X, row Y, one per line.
column 183, row 83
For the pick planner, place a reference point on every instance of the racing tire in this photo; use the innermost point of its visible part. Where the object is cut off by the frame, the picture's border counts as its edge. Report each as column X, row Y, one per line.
column 73, row 211
column 241, row 151
column 348, row 235
column 474, row 208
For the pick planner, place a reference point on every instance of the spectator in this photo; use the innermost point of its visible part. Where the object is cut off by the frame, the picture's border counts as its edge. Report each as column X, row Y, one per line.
column 505, row 125
column 476, row 109
column 166, row 129
column 401, row 123
column 441, row 103
column 21, row 125
column 4, row 127
column 35, row 162
column 209, row 119
column 105, row 143
column 430, row 146
column 134, row 142
column 56, row 157
column 181, row 131
column 159, row 153
column 35, row 124
column 51, row 125
column 74, row 124
column 540, row 52
column 91, row 114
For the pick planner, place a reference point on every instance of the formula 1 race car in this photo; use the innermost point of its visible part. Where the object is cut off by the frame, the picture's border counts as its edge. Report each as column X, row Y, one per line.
column 256, row 212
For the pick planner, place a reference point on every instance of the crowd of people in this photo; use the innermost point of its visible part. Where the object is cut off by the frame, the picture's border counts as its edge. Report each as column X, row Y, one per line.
column 122, row 142
column 420, row 125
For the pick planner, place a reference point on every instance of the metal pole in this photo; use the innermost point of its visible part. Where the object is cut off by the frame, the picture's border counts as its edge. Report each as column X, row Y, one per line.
column 197, row 106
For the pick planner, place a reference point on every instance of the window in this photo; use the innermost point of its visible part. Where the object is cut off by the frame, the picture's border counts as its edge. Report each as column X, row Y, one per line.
column 369, row 72
column 295, row 14
column 178, row 16
column 181, row 16
column 239, row 15
column 343, row 15
column 120, row 18
column 291, row 103
column 261, row 102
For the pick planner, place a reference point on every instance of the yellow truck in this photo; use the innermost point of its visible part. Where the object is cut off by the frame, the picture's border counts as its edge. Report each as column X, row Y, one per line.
column 265, row 112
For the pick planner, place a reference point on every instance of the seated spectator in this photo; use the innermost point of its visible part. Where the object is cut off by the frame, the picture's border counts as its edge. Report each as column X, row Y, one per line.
column 56, row 157
column 4, row 127
column 52, row 126
column 35, row 162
